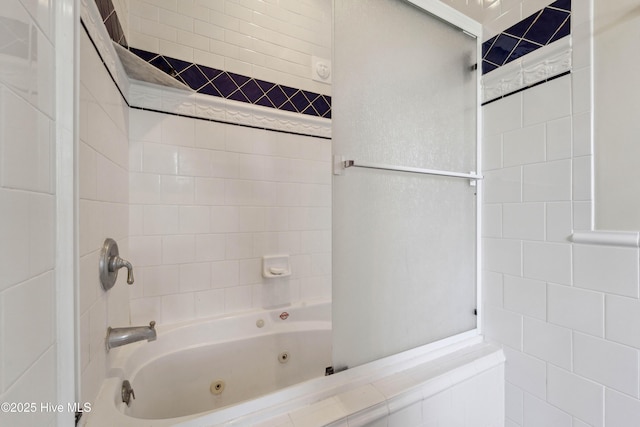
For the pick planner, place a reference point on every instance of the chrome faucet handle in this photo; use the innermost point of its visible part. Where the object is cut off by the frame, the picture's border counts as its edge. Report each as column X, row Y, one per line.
column 110, row 263
column 117, row 263
column 152, row 324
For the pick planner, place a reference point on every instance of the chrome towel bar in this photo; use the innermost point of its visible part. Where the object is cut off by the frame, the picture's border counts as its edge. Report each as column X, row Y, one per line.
column 340, row 163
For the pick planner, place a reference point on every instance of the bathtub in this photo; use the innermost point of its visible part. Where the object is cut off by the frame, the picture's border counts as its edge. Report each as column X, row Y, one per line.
column 266, row 368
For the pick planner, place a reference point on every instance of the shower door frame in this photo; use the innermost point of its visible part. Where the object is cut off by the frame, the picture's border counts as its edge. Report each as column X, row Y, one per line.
column 473, row 28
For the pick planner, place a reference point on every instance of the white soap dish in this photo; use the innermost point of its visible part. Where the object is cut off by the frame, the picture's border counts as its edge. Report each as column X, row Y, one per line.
column 276, row 266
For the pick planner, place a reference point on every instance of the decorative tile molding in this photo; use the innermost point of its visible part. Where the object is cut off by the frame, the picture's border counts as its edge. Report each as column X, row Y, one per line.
column 532, row 33
column 541, row 65
column 533, row 51
column 210, row 81
column 197, row 105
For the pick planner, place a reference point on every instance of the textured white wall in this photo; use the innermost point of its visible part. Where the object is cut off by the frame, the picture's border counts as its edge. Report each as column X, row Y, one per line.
column 267, row 40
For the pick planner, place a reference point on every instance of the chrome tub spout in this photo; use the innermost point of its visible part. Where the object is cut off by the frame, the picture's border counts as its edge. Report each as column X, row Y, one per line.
column 123, row 336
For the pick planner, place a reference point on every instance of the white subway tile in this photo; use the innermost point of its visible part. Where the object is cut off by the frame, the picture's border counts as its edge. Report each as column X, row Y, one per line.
column 159, row 158
column 42, row 233
column 194, row 219
column 209, row 303
column 581, row 94
column 144, row 310
column 577, row 396
column 188, row 38
column 160, row 219
column 582, row 216
column 548, row 101
column 37, row 322
column 224, row 219
column 178, row 307
column 237, row 192
column 27, row 146
column 239, row 246
column 559, row 139
column 581, row 178
column 547, row 261
column 251, row 219
column 194, row 162
column 621, row 410
column 209, row 135
column 548, row 342
column 547, row 182
column 224, row 164
column 514, row 403
column 503, row 115
column 523, row 221
column 276, row 219
column 503, row 326
column 159, row 280
column 492, row 152
column 157, row 30
column 606, row 269
column 250, row 271
column 576, row 309
column 524, row 146
column 144, row 188
column 14, row 258
column 525, row 296
column 177, row 190
column 503, row 185
column 238, row 298
column 502, row 256
column 492, row 288
column 38, row 385
column 539, row 413
column 178, row 130
column 210, row 247
column 607, row 363
column 209, row 191
column 225, row 274
column 145, row 250
column 145, row 125
column 558, row 222
column 195, row 277
column 178, row 249
column 251, row 167
column 526, row 372
column 622, row 320
column 582, row 135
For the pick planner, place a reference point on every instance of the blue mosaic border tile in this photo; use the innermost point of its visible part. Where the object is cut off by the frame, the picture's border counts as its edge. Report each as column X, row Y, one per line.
column 224, row 84
column 543, row 27
column 111, row 21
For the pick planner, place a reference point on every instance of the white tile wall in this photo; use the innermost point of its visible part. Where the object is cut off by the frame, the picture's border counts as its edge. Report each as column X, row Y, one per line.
column 104, row 194
column 266, row 40
column 28, row 371
column 574, row 362
column 214, row 199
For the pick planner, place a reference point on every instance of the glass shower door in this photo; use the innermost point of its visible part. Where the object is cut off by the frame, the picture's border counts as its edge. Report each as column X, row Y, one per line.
column 404, row 244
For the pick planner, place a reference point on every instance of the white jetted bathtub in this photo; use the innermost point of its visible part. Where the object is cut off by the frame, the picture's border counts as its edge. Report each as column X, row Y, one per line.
column 266, row 368
column 208, row 364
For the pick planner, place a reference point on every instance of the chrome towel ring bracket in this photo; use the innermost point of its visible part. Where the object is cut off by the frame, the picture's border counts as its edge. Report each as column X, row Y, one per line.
column 110, row 263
